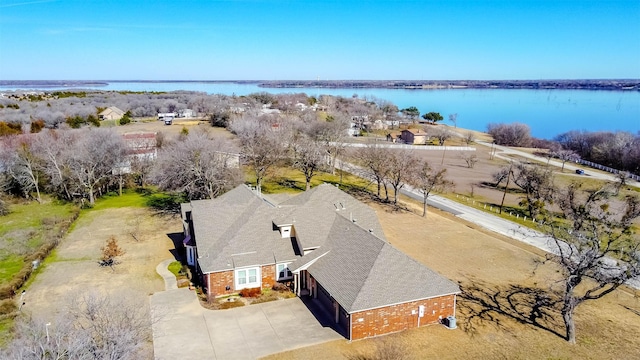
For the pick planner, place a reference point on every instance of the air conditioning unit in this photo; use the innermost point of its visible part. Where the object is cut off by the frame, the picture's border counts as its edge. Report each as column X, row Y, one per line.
column 450, row 322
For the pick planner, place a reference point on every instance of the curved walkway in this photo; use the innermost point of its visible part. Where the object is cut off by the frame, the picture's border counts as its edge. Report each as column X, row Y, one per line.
column 162, row 269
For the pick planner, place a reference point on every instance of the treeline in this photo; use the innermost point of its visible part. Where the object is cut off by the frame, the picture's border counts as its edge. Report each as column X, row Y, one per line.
column 82, row 164
column 604, row 84
column 619, row 150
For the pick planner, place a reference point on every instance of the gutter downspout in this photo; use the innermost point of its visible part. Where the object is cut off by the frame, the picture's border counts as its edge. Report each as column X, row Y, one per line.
column 454, row 304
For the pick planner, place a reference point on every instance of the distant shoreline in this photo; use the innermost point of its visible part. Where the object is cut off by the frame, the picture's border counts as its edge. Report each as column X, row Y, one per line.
column 603, row 84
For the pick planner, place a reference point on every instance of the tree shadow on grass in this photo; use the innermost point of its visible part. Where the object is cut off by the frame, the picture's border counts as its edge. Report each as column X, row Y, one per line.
column 486, row 304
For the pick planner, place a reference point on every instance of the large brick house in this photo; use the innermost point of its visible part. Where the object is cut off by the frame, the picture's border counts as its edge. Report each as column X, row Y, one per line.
column 324, row 242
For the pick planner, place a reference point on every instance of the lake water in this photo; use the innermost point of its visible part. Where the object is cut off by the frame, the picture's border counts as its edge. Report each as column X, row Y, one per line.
column 547, row 112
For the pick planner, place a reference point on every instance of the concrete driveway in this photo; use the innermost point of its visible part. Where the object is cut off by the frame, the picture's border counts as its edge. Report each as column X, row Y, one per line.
column 182, row 329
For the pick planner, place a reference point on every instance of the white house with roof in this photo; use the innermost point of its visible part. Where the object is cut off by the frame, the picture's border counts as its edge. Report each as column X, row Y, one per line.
column 329, row 246
column 111, row 113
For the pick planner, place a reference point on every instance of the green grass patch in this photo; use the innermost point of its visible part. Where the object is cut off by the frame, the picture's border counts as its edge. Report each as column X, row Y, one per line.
column 6, row 325
column 108, row 123
column 30, row 215
column 10, row 265
column 290, row 180
column 129, row 198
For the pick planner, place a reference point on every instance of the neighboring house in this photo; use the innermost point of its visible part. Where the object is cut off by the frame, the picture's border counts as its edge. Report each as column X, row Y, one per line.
column 162, row 116
column 141, row 144
column 186, row 113
column 111, row 113
column 354, row 129
column 231, row 160
column 324, row 243
column 141, row 147
column 392, row 123
column 414, row 136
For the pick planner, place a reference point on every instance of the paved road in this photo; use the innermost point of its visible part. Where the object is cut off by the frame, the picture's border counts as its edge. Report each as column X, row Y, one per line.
column 504, row 150
column 482, row 218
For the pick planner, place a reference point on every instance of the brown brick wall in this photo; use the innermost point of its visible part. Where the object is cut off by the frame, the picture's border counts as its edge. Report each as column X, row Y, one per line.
column 399, row 317
column 217, row 282
column 268, row 275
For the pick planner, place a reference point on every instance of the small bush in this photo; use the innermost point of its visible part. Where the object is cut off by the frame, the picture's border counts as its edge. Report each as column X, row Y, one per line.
column 7, row 306
column 110, row 251
column 175, row 268
column 250, row 292
column 125, row 120
column 280, row 287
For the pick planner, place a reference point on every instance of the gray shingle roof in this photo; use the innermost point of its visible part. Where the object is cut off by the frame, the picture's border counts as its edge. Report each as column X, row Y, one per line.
column 362, row 272
column 239, row 226
column 355, row 265
column 314, row 212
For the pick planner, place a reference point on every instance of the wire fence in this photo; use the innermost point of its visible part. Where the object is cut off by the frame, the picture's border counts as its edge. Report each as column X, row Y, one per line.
column 607, row 169
column 496, row 209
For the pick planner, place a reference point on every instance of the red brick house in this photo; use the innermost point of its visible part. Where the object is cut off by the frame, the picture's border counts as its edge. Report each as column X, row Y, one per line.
column 328, row 244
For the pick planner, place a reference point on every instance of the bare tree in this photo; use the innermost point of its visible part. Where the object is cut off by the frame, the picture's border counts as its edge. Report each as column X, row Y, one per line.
column 263, row 146
column 469, row 137
column 515, row 134
column 470, row 158
column 441, row 133
column 96, row 154
column 622, row 177
column 537, row 185
column 598, row 253
column 37, row 339
column 376, row 160
column 23, row 165
column 94, row 326
column 197, row 167
column 566, row 155
column 55, row 148
column 332, row 134
column 401, row 165
column 501, row 175
column 427, row 181
column 308, row 157
column 454, row 119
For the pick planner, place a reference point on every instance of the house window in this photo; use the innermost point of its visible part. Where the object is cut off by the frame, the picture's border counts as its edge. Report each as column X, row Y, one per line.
column 283, row 272
column 247, row 278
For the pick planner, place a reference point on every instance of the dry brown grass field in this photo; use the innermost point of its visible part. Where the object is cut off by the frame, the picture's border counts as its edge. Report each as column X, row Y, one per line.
column 499, row 278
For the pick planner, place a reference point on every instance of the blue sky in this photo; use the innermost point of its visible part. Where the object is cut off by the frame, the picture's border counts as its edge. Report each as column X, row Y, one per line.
column 280, row 39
